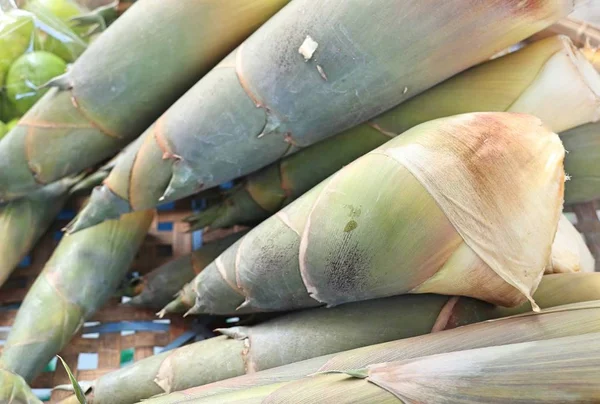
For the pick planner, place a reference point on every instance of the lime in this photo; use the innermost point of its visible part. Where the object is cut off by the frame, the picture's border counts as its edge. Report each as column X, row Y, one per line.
column 3, row 129
column 16, row 37
column 12, row 123
column 63, row 9
column 67, row 48
column 52, row 27
column 27, row 73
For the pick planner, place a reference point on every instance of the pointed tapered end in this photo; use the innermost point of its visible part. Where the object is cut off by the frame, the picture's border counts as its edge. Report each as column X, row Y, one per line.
column 135, row 301
column 357, row 373
column 62, row 82
column 233, row 333
column 183, row 182
column 243, row 305
column 204, row 218
column 161, row 313
column 177, row 305
column 103, row 205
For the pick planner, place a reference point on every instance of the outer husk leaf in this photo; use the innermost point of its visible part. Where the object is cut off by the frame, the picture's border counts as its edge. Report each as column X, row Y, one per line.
column 269, row 99
column 90, row 112
column 558, row 370
column 553, row 371
column 83, row 272
column 330, row 245
column 78, row 390
column 564, row 321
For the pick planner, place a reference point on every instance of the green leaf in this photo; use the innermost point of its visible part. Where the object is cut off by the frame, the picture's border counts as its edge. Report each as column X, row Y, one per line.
column 78, row 391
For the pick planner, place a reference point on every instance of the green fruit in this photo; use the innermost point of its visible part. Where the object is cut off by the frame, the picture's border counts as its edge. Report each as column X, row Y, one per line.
column 66, row 50
column 52, row 17
column 12, row 123
column 28, row 73
column 63, row 9
column 16, row 37
column 3, row 129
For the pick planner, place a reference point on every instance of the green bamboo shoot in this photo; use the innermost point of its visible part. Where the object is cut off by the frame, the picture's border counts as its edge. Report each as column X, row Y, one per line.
column 297, row 81
column 523, row 81
column 15, row 390
column 554, row 290
column 120, row 85
column 83, row 272
column 24, row 221
column 310, row 333
column 582, row 165
column 564, row 321
column 332, row 245
column 291, row 338
column 556, row 371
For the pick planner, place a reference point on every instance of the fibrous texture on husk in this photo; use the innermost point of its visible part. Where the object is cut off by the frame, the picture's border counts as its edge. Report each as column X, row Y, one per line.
column 485, row 233
column 160, row 286
column 291, row 338
column 120, row 85
column 23, row 222
column 545, row 78
column 564, row 321
column 83, row 272
column 297, row 81
column 556, row 371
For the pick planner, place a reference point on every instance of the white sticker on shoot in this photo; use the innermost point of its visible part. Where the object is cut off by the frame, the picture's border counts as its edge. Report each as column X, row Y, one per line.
column 308, row 48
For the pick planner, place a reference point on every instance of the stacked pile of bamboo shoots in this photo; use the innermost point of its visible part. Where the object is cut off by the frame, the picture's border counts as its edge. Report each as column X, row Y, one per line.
column 404, row 172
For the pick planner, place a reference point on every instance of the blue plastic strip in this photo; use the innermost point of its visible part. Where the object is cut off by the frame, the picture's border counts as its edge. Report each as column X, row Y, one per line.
column 165, row 226
column 227, row 185
column 9, row 307
column 179, row 341
column 25, row 262
column 198, row 205
column 197, row 239
column 66, row 214
column 166, row 206
column 126, row 326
